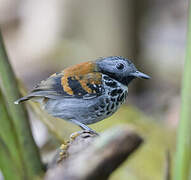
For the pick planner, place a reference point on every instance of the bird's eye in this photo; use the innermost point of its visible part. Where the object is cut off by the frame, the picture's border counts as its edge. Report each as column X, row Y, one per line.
column 120, row 66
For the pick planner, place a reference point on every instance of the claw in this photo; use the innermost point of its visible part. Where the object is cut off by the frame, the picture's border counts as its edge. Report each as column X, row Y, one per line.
column 74, row 135
column 64, row 147
column 63, row 152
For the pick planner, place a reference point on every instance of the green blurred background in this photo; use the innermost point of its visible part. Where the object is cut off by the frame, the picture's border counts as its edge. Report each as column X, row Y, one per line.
column 45, row 36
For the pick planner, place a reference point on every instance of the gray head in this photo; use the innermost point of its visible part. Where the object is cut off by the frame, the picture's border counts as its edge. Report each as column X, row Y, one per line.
column 119, row 68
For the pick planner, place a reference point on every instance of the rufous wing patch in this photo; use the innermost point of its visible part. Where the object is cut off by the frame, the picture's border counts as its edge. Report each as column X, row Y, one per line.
column 85, row 73
column 65, row 85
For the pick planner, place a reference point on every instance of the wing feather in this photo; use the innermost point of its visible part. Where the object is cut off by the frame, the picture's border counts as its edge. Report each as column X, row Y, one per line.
column 60, row 85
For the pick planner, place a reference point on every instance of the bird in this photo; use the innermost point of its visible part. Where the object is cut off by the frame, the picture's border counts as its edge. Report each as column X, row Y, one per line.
column 87, row 92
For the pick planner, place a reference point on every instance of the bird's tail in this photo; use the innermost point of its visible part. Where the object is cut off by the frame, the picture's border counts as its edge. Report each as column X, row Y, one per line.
column 25, row 98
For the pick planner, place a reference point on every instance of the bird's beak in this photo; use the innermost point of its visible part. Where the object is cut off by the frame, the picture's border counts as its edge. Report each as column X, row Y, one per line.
column 139, row 74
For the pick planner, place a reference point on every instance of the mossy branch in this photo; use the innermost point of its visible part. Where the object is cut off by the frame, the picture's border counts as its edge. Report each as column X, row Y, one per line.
column 89, row 157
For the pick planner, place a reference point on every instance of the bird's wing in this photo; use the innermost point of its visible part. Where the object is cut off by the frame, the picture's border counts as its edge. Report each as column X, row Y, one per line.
column 59, row 85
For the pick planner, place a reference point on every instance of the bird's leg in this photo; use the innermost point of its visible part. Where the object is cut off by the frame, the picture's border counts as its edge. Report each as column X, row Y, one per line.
column 84, row 127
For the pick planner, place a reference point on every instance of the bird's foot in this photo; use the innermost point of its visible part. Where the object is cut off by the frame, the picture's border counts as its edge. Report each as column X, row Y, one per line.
column 74, row 135
column 85, row 128
column 63, row 152
column 91, row 131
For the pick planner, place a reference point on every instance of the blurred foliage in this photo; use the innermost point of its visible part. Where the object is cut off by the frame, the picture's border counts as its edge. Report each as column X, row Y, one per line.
column 17, row 143
column 10, row 161
column 183, row 156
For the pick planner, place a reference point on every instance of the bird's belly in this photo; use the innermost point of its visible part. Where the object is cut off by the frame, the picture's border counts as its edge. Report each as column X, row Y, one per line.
column 86, row 111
